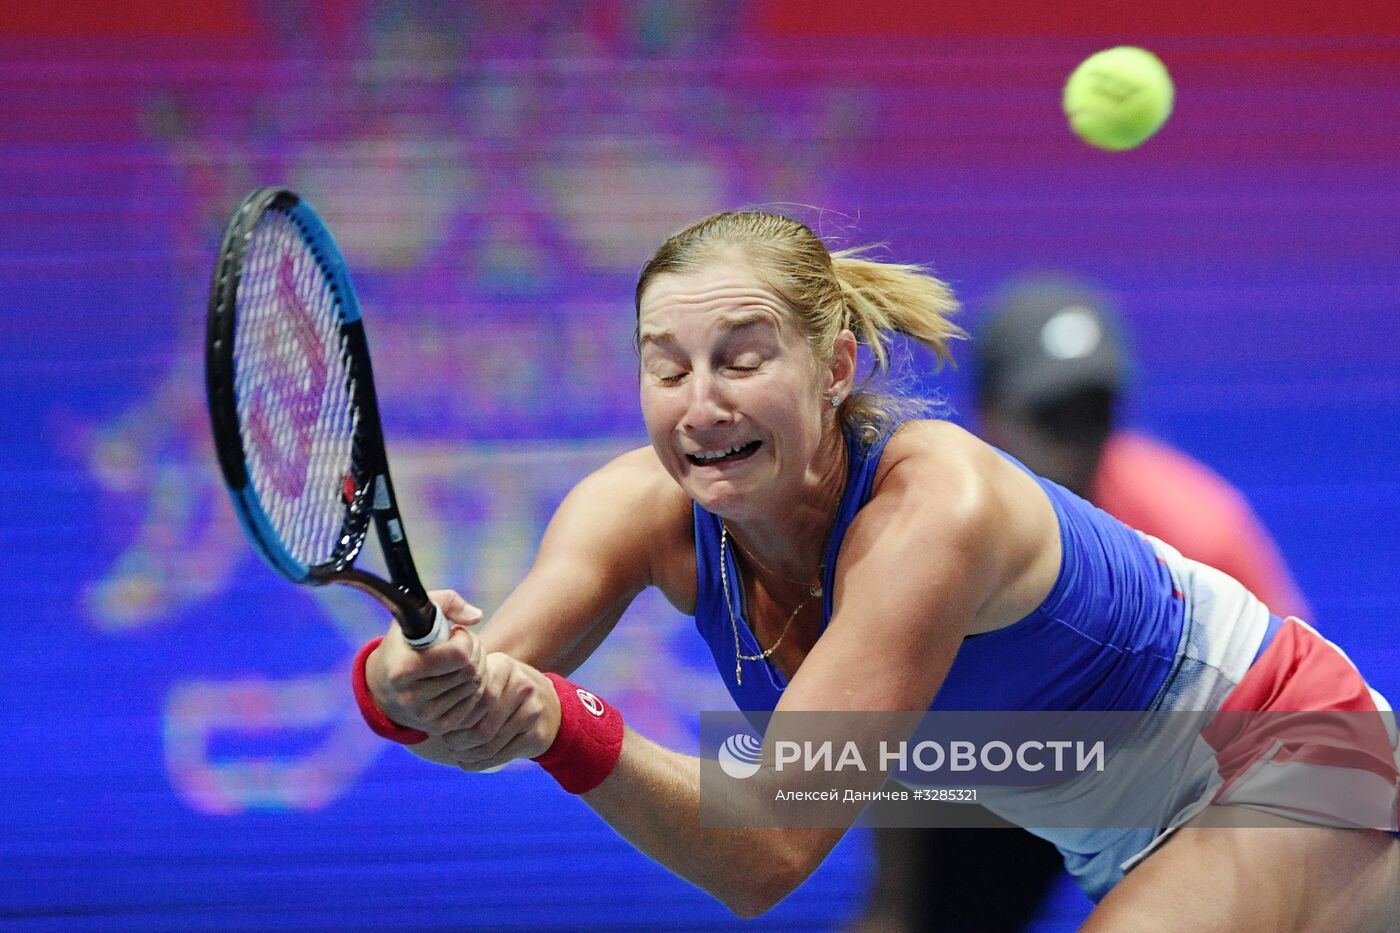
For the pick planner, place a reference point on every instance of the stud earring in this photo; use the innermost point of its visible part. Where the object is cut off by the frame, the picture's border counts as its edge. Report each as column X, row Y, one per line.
column 836, row 401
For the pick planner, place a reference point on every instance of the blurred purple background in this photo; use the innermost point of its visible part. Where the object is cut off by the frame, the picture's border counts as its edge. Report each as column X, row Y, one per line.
column 183, row 750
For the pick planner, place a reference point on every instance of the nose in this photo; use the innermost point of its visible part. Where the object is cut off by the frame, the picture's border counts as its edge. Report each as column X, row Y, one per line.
column 707, row 404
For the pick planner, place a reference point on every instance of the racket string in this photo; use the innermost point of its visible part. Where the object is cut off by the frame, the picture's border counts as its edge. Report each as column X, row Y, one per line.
column 295, row 398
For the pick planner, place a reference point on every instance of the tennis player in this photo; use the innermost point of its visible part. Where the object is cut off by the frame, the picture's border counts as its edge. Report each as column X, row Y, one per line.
column 840, row 555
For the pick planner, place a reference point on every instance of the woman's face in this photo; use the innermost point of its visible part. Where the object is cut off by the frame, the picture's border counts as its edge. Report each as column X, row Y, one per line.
column 731, row 392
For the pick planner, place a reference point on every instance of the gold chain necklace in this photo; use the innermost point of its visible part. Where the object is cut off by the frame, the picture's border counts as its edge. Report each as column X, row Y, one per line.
column 813, row 591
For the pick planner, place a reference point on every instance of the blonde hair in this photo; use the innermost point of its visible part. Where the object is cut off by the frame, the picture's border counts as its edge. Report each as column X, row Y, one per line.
column 828, row 293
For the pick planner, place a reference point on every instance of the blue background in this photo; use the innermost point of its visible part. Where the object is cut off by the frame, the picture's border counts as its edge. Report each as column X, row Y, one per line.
column 181, row 749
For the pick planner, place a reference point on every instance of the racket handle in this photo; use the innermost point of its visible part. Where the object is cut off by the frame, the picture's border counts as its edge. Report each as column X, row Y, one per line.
column 440, row 631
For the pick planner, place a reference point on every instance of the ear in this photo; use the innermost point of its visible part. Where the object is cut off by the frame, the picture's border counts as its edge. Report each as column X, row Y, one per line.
column 841, row 371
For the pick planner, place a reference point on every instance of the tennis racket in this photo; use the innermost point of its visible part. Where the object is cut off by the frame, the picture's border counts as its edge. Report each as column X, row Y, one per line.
column 292, row 402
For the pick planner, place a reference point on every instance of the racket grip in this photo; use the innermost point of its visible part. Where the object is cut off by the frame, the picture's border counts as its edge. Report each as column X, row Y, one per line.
column 440, row 631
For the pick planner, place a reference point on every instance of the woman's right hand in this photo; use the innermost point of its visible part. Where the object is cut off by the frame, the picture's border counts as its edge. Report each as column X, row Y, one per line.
column 436, row 689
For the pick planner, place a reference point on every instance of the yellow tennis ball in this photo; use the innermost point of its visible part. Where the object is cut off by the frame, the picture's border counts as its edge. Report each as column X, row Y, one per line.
column 1116, row 99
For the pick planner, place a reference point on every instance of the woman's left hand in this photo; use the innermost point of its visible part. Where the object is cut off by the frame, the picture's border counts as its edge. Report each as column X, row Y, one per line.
column 515, row 715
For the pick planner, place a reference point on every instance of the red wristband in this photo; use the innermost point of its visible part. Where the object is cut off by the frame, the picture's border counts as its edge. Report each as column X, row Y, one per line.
column 589, row 740
column 374, row 716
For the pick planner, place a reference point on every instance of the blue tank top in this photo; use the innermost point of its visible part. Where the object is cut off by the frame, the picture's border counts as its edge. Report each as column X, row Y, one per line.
column 1105, row 638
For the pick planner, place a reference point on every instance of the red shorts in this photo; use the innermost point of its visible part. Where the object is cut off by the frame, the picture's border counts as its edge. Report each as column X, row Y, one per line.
column 1303, row 736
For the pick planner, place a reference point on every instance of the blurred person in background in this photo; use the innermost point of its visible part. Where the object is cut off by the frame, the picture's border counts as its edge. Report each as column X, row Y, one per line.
column 1051, row 367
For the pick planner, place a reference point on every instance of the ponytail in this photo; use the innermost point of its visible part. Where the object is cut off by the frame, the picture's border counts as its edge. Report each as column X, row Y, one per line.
column 884, row 298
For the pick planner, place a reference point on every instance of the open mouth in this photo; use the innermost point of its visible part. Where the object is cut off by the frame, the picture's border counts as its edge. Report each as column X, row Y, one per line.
column 728, row 455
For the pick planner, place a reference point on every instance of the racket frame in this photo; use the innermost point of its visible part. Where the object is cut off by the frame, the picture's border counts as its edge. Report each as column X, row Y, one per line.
column 373, row 498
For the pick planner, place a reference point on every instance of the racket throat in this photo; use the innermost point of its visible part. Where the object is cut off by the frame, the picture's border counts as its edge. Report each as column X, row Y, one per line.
column 402, row 604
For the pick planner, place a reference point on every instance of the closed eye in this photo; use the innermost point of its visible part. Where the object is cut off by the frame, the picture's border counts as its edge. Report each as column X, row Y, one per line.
column 744, row 362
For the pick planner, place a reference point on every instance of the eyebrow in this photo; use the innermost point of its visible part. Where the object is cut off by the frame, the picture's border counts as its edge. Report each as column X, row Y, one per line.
column 737, row 322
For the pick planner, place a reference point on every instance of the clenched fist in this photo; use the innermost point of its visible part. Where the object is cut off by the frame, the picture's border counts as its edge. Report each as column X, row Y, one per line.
column 482, row 709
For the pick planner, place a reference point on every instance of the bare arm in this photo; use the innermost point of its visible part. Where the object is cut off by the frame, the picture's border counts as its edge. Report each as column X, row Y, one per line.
column 891, row 640
column 929, row 558
column 598, row 552
column 602, row 547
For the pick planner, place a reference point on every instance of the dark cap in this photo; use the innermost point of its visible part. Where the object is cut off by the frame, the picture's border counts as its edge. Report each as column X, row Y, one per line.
column 1047, row 338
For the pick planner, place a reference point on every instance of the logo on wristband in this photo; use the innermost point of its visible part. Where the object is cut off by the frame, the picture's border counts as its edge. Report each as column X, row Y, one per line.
column 590, row 702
